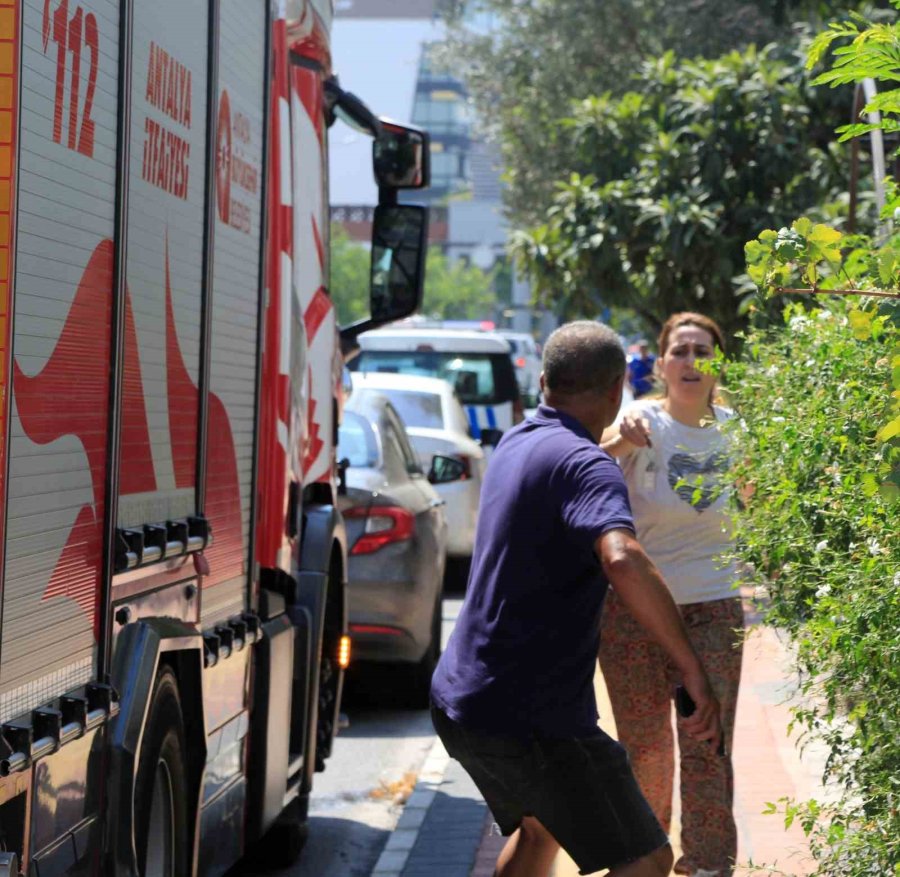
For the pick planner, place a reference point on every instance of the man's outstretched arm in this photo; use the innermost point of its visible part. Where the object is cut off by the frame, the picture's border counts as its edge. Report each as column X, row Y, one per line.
column 640, row 587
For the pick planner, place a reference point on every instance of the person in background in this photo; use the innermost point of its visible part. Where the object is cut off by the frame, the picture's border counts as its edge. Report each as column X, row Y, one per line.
column 513, row 697
column 640, row 369
column 673, row 456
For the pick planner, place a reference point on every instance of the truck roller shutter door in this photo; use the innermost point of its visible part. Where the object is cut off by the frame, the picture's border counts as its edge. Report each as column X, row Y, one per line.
column 166, row 235
column 60, row 383
column 235, row 303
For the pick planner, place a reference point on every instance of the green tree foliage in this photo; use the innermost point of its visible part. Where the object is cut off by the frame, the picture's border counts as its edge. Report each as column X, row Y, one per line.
column 349, row 285
column 538, row 57
column 453, row 291
column 705, row 154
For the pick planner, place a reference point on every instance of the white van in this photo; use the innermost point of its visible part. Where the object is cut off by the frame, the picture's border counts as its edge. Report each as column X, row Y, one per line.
column 477, row 364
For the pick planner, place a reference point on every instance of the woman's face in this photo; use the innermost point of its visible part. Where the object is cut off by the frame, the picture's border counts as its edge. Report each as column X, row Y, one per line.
column 684, row 381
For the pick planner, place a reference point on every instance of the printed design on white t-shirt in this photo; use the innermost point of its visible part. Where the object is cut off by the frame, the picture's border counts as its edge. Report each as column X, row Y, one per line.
column 697, row 480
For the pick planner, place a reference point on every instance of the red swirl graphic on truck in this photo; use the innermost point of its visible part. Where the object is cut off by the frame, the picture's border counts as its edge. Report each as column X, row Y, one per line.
column 70, row 397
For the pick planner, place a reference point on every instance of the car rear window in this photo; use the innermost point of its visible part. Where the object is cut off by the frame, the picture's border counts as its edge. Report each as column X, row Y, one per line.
column 356, row 441
column 479, row 378
column 416, row 408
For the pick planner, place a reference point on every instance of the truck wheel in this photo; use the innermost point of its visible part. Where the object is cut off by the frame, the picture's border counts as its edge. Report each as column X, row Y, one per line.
column 160, row 790
column 419, row 695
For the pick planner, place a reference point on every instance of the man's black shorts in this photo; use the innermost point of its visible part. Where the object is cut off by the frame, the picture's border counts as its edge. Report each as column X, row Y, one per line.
column 582, row 790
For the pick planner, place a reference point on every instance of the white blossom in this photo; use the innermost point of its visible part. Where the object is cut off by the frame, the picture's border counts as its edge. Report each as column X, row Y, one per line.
column 821, row 546
column 823, row 590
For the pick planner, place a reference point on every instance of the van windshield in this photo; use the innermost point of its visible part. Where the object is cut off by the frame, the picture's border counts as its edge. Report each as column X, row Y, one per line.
column 478, row 378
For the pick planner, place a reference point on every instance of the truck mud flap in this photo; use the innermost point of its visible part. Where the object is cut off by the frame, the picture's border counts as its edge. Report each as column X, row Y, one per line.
column 270, row 726
column 304, row 683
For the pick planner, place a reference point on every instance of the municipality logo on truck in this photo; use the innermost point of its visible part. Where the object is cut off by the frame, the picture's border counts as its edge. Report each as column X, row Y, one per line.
column 476, row 364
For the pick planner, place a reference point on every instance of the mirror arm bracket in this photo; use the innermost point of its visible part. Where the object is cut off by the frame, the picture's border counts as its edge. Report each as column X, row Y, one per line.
column 387, row 197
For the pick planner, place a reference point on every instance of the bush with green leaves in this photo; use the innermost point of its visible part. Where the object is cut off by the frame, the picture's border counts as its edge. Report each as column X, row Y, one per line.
column 820, row 533
column 820, row 410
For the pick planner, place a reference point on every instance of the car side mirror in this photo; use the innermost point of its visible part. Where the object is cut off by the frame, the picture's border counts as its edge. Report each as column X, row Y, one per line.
column 443, row 470
column 491, row 436
column 342, row 466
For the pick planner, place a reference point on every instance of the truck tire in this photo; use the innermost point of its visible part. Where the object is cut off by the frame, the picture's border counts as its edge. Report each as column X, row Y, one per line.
column 160, row 790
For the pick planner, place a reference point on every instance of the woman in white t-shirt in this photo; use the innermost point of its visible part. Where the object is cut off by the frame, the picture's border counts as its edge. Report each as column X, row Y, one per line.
column 673, row 456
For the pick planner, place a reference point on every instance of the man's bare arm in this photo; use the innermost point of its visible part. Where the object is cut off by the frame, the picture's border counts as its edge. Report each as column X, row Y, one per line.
column 640, row 587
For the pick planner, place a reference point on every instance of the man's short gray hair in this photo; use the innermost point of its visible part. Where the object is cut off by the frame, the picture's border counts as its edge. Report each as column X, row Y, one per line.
column 582, row 357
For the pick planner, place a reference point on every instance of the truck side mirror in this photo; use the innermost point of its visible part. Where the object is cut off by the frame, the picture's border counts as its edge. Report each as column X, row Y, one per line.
column 401, row 157
column 399, row 237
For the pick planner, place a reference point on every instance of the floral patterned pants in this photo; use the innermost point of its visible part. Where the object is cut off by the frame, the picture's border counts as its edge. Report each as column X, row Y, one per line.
column 641, row 680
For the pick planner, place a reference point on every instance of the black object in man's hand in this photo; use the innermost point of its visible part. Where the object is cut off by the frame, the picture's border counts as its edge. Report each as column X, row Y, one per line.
column 685, row 706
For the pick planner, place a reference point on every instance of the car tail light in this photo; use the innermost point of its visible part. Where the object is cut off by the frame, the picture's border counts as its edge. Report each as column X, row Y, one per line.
column 384, row 526
column 518, row 410
column 520, row 362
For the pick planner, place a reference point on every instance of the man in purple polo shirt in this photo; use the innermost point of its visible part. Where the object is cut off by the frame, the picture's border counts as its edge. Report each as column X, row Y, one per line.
column 513, row 695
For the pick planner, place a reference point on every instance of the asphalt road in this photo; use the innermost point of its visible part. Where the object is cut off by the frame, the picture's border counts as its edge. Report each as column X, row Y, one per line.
column 356, row 802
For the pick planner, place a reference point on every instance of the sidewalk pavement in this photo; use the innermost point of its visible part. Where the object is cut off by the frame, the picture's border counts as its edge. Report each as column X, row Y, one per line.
column 447, row 831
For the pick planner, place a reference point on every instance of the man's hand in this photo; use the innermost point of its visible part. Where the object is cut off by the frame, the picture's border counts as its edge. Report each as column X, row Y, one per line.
column 705, row 722
column 641, row 588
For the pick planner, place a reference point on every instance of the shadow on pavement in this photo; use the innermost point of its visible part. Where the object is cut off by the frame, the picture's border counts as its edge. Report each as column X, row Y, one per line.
column 376, row 707
column 456, row 575
column 335, row 848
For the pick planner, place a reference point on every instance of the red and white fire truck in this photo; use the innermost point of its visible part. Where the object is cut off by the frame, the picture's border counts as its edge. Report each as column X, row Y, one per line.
column 172, row 563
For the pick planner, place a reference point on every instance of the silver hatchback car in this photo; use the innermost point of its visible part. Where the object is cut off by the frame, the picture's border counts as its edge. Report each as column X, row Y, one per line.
column 397, row 541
